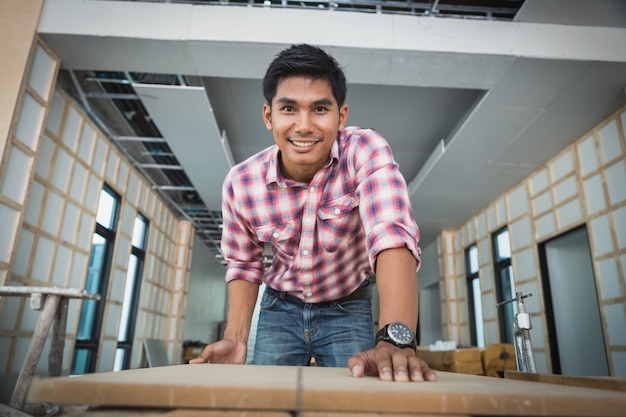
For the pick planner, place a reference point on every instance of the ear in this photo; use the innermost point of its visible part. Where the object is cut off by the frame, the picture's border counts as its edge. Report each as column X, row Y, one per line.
column 343, row 116
column 267, row 116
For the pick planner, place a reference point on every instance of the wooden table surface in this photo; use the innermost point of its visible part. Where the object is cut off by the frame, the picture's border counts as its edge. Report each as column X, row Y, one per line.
column 313, row 391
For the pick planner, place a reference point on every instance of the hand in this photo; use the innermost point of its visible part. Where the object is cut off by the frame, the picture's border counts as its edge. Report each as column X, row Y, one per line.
column 223, row 351
column 391, row 363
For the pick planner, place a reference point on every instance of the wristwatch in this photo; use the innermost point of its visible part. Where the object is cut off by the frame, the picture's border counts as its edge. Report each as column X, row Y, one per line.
column 398, row 334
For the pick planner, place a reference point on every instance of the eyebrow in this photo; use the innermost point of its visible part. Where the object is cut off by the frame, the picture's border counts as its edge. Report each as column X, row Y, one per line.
column 323, row 101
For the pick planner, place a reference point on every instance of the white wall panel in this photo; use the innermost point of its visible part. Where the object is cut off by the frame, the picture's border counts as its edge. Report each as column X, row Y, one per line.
column 562, row 166
column 35, row 201
column 594, row 194
column 610, row 147
column 616, row 182
column 588, row 156
column 569, row 213
column 542, row 202
column 41, row 72
column 616, row 323
column 518, row 202
column 24, row 249
column 608, row 276
column 29, row 122
column 55, row 113
column 70, row 128
column 545, row 225
column 8, row 224
column 539, row 182
column 16, row 175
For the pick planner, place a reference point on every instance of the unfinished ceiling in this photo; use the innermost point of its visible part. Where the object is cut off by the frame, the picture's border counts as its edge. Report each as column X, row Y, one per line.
column 467, row 115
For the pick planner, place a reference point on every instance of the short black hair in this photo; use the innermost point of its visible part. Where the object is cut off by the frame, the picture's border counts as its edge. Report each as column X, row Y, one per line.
column 309, row 61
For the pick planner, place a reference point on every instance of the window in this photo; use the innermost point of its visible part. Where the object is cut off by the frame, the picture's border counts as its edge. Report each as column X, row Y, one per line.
column 505, row 284
column 131, row 295
column 92, row 311
column 474, row 295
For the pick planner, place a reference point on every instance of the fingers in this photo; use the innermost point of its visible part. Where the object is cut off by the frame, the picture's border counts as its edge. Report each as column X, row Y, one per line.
column 391, row 364
column 394, row 367
column 362, row 364
column 205, row 356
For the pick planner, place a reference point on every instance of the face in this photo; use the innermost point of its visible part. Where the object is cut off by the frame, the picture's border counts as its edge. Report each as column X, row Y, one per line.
column 304, row 118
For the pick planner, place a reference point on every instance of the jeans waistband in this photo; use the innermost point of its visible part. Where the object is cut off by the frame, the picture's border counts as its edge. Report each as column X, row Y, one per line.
column 362, row 292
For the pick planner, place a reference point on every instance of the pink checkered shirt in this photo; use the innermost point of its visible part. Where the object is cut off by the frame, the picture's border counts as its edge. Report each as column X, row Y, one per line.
column 325, row 235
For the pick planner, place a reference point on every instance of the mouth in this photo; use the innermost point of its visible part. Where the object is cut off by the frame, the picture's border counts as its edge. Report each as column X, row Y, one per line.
column 303, row 143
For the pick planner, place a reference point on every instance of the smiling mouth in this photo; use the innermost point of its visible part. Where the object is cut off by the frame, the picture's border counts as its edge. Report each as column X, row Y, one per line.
column 303, row 144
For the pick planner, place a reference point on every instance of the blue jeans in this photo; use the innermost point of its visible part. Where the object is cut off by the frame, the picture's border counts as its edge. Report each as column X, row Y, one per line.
column 291, row 332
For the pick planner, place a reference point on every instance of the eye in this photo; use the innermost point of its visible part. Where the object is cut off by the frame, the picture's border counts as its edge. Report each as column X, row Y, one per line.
column 287, row 109
column 321, row 109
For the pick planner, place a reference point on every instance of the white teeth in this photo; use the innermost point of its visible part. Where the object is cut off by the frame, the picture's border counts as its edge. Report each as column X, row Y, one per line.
column 303, row 143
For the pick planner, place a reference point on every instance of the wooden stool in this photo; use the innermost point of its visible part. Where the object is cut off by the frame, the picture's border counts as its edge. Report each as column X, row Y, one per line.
column 52, row 302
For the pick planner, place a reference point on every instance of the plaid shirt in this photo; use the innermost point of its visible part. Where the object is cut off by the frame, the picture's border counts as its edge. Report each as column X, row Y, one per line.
column 325, row 235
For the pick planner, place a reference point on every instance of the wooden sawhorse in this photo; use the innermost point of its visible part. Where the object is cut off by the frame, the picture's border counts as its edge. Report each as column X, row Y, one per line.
column 52, row 302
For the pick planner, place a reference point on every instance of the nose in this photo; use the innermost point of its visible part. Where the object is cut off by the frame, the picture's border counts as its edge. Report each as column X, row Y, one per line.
column 304, row 123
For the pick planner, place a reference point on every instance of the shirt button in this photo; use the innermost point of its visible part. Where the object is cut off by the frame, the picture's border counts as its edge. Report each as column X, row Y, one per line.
column 275, row 234
column 337, row 211
column 309, row 294
column 309, row 221
column 312, row 189
column 305, row 252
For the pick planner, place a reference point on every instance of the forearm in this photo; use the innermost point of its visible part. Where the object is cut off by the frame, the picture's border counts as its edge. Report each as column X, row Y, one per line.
column 242, row 296
column 396, row 281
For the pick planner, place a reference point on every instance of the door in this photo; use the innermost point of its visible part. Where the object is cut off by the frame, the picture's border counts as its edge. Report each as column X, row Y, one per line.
column 572, row 310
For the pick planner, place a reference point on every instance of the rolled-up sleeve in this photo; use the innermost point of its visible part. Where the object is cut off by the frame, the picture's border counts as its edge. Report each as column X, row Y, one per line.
column 384, row 204
column 242, row 251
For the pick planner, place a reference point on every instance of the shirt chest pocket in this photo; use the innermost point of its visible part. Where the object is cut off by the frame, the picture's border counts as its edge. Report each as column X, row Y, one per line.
column 280, row 236
column 339, row 222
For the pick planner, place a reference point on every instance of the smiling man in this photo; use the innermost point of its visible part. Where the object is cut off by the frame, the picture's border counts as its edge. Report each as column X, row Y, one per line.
column 333, row 206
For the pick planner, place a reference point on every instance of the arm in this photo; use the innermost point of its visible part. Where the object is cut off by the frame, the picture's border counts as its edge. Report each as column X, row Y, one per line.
column 233, row 348
column 396, row 282
column 397, row 286
column 392, row 244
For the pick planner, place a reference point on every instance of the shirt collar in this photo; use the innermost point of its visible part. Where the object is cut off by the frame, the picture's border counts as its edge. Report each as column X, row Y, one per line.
column 274, row 176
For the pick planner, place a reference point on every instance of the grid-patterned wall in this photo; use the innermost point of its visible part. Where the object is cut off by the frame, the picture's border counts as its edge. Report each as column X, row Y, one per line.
column 585, row 184
column 50, row 183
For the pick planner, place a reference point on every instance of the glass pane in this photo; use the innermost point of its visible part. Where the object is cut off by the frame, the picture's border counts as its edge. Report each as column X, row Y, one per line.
column 508, row 284
column 508, row 312
column 81, row 359
column 473, row 259
column 92, row 284
column 504, row 245
column 478, row 312
column 139, row 232
column 118, row 364
column 106, row 209
column 122, row 335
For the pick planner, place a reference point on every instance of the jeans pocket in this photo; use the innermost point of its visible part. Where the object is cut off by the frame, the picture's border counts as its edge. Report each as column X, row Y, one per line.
column 268, row 301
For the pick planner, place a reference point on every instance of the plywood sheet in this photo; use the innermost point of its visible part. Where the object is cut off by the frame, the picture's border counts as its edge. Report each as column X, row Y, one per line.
column 202, row 385
column 323, row 390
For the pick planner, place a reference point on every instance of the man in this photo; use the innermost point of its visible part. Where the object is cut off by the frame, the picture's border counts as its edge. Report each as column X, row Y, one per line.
column 333, row 206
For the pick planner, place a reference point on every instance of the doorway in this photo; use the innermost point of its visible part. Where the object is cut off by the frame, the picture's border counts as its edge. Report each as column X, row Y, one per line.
column 572, row 311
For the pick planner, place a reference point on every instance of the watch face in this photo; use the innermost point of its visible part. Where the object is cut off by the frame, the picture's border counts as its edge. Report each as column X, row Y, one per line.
column 400, row 333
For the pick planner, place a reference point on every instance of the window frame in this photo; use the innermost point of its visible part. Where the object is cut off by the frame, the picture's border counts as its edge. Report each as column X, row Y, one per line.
column 470, row 277
column 89, row 346
column 506, row 312
column 124, row 347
